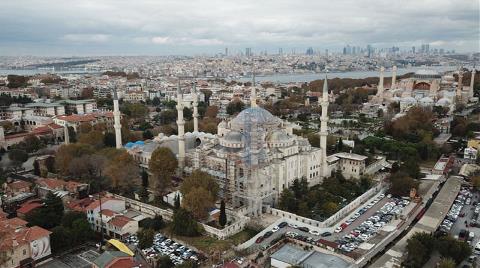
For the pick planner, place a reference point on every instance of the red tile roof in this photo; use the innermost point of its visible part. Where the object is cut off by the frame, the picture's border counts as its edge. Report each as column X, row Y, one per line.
column 108, row 212
column 120, row 221
column 122, row 263
column 29, row 206
column 56, row 184
column 19, row 185
column 96, row 203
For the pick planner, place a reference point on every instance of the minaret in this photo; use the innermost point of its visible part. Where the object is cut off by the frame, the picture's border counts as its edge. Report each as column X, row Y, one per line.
column 253, row 93
column 472, row 83
column 66, row 135
column 380, row 83
column 459, row 86
column 181, row 129
column 195, row 107
column 117, row 125
column 394, row 77
column 324, row 128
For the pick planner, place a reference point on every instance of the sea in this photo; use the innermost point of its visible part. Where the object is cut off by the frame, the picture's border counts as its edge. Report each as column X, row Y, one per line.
column 275, row 78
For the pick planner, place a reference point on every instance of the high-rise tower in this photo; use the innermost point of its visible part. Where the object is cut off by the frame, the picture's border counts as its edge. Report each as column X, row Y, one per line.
column 117, row 125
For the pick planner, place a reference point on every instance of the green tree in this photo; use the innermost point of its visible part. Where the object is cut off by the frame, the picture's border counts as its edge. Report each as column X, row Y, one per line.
column 145, row 238
column 450, row 247
column 36, row 168
column 184, row 224
column 122, row 170
column 401, row 184
column 60, row 239
column 176, row 203
column 419, row 248
column 71, row 216
column 198, row 201
column 446, row 263
column 235, row 107
column 164, row 262
column 94, row 138
column 162, row 165
column 17, row 156
column 156, row 223
column 200, row 179
column 287, row 201
column 109, row 139
column 223, row 215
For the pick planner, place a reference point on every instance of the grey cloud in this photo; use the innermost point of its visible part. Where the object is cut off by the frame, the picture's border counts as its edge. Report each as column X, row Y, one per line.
column 171, row 26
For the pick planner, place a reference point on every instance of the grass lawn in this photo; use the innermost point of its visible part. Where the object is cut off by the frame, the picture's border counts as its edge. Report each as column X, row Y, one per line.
column 209, row 244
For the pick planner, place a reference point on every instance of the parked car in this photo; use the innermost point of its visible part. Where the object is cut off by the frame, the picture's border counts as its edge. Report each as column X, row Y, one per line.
column 282, row 224
column 259, row 240
column 304, row 229
column 325, row 234
column 267, row 234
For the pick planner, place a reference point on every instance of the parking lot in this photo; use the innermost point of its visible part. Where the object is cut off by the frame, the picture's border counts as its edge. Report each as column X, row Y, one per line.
column 462, row 219
column 162, row 245
column 376, row 215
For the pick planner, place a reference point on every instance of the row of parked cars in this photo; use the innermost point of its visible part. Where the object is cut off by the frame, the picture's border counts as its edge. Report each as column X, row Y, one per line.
column 294, row 226
column 464, row 197
column 359, row 213
column 370, row 227
column 162, row 245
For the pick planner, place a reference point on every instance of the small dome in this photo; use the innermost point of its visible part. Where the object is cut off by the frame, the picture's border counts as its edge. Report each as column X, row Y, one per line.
column 426, row 100
column 443, row 102
column 409, row 100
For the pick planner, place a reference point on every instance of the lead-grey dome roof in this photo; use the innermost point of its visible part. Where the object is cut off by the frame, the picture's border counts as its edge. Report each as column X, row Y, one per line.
column 254, row 115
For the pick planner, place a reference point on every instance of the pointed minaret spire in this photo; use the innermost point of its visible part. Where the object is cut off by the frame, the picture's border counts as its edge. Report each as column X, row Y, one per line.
column 195, row 106
column 116, row 124
column 181, row 128
column 253, row 93
column 324, row 129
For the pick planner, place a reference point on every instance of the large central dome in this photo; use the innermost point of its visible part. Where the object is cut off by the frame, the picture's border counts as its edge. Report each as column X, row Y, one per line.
column 254, row 115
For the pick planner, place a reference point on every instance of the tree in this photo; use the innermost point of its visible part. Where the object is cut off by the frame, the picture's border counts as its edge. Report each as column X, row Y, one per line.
column 36, row 168
column 143, row 194
column 71, row 216
column 419, row 248
column 223, row 215
column 476, row 182
column 450, row 247
column 122, row 170
column 17, row 156
column 198, row 201
column 211, row 112
column 66, row 153
column 176, row 203
column 94, row 138
column 147, row 134
column 145, row 238
column 109, row 139
column 401, row 184
column 162, row 165
column 446, row 263
column 235, row 106
column 60, row 239
column 164, row 262
column 287, row 201
column 184, row 224
column 156, row 223
column 48, row 216
column 33, row 144
column 200, row 179
column 156, row 101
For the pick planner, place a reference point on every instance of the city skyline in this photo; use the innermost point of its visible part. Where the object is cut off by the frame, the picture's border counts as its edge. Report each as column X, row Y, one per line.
column 92, row 28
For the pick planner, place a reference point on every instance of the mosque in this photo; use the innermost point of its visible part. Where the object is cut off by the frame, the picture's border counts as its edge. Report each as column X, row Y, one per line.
column 253, row 156
column 426, row 88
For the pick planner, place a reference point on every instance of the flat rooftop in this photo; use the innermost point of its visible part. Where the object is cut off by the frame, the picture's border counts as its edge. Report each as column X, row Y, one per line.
column 312, row 259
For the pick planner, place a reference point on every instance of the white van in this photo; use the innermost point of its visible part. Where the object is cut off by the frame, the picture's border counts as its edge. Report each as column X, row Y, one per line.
column 476, row 250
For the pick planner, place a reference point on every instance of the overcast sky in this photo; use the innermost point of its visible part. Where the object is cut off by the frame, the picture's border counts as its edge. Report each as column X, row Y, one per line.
column 166, row 27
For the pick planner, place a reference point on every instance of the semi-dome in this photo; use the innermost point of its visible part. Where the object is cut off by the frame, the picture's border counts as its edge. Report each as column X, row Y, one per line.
column 427, row 74
column 233, row 136
column 278, row 136
column 254, row 115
